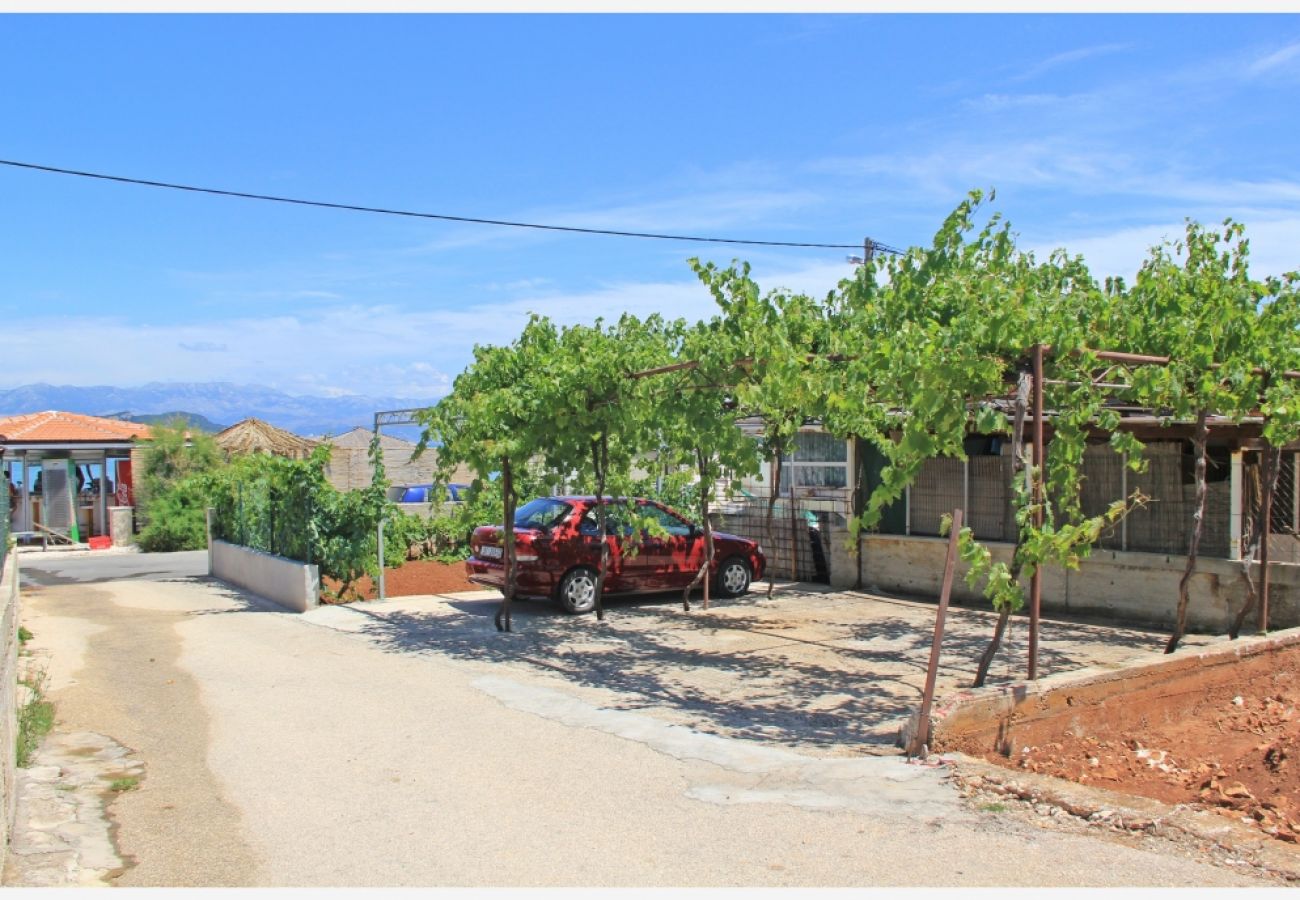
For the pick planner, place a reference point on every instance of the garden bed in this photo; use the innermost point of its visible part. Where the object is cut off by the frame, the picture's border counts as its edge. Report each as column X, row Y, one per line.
column 425, row 576
column 1235, row 749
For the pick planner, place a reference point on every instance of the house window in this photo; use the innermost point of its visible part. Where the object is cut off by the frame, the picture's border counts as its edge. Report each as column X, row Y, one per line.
column 819, row 462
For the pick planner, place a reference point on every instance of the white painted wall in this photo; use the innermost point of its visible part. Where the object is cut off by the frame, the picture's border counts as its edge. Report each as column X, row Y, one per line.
column 289, row 583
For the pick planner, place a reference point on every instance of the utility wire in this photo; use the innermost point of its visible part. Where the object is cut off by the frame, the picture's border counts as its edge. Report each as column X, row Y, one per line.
column 423, row 215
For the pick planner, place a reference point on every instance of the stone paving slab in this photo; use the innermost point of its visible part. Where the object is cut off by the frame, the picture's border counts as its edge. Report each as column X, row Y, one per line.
column 833, row 673
column 62, row 836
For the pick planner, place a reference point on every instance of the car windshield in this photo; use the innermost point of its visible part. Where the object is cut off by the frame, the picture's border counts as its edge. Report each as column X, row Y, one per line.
column 541, row 513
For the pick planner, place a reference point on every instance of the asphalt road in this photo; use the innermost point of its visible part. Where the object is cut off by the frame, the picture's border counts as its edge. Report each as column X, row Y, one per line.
column 53, row 567
column 288, row 750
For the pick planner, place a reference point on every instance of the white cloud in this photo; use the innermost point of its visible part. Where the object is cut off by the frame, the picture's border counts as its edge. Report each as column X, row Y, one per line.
column 347, row 349
column 1068, row 57
column 1273, row 247
column 1275, row 60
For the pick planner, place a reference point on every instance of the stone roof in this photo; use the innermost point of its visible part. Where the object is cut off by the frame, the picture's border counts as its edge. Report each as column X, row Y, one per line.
column 53, row 427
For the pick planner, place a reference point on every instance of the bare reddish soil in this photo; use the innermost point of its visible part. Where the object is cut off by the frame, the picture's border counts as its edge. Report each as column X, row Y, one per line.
column 1236, row 750
column 426, row 576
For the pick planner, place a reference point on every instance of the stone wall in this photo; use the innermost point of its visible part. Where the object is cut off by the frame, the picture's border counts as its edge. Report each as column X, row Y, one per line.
column 9, row 607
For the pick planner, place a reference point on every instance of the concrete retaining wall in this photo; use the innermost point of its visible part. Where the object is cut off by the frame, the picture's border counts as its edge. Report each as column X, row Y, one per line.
column 1100, row 703
column 1137, row 588
column 289, row 583
column 8, row 697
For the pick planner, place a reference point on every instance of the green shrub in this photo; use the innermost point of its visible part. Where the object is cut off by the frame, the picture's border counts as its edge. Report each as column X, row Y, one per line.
column 35, row 719
column 176, row 519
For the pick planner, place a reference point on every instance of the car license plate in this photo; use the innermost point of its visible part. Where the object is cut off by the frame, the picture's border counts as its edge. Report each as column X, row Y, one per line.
column 489, row 552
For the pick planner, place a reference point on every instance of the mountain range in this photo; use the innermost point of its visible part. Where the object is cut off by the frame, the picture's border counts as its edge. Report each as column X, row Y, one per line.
column 217, row 402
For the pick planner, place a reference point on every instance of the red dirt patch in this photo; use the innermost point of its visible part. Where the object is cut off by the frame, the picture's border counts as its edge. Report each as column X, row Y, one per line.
column 1235, row 750
column 426, row 576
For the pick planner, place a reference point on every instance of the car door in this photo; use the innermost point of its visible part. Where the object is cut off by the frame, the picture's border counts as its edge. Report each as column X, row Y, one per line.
column 669, row 560
column 617, row 578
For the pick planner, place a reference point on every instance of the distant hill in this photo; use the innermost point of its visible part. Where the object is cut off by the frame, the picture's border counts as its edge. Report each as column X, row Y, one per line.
column 210, row 403
column 193, row 421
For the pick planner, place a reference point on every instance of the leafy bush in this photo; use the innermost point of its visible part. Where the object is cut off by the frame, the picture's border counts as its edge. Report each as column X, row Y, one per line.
column 173, row 457
column 176, row 518
column 411, row 537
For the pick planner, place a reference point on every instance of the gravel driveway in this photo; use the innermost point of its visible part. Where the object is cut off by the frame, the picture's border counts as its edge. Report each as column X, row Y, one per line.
column 378, row 746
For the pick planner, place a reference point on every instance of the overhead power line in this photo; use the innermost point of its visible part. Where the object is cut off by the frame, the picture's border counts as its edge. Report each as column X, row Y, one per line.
column 297, row 201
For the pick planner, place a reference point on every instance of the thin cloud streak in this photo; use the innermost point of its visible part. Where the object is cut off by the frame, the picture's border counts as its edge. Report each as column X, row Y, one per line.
column 1067, row 58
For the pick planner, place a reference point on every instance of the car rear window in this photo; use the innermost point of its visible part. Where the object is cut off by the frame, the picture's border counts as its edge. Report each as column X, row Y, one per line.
column 541, row 513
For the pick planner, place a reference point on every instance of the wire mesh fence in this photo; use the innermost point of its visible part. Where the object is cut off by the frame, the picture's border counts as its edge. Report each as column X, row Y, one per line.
column 797, row 540
column 263, row 516
column 1284, row 537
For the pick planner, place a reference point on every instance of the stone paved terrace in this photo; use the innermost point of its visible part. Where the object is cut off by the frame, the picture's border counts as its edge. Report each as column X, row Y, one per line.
column 831, row 673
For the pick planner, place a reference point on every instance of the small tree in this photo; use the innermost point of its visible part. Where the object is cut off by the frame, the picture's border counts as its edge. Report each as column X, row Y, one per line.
column 1194, row 301
column 170, row 499
column 782, row 383
column 694, row 413
column 495, row 420
column 599, row 423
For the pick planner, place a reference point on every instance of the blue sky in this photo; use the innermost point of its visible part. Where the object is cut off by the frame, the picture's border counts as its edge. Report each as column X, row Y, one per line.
column 1100, row 134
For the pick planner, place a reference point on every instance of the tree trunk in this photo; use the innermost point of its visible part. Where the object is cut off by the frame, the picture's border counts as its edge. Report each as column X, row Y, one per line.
column 1270, row 468
column 1194, row 543
column 703, row 574
column 600, row 462
column 771, row 513
column 1017, row 467
column 508, row 540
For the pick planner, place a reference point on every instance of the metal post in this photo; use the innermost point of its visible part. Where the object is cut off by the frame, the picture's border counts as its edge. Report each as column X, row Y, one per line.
column 965, row 483
column 1235, row 505
column 922, row 736
column 25, row 495
column 1036, row 583
column 381, row 557
column 1266, row 528
column 1295, row 493
column 103, row 495
column 1123, row 492
column 907, row 510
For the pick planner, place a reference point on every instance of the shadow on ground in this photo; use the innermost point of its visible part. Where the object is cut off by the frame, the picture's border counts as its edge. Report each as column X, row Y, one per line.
column 804, row 669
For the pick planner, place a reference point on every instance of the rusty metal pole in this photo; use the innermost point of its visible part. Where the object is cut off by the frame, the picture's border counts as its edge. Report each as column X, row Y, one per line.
column 1036, row 583
column 922, row 735
column 1273, row 463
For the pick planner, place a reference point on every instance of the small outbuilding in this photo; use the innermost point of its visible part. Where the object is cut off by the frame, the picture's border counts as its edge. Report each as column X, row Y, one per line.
column 67, row 472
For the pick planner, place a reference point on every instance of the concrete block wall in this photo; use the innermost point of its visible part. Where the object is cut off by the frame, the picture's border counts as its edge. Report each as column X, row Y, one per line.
column 9, row 608
column 1132, row 588
column 291, row 584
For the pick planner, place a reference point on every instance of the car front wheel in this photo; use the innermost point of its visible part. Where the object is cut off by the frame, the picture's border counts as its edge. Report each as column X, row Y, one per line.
column 733, row 577
column 577, row 592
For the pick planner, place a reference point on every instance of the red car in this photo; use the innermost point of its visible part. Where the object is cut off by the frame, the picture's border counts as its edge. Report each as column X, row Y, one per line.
column 557, row 549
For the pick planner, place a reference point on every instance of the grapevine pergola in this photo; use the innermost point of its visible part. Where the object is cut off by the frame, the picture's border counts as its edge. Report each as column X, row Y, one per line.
column 911, row 355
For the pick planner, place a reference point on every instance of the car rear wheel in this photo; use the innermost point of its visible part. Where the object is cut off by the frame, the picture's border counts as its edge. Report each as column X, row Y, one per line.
column 733, row 577
column 577, row 591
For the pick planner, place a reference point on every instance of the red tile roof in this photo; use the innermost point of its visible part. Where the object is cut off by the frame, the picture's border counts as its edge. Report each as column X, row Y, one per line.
column 64, row 427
